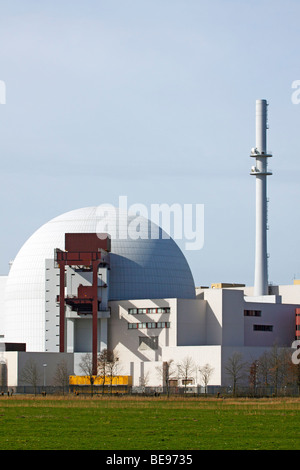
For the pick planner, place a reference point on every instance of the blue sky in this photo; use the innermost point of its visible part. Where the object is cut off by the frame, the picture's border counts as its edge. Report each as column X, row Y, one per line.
column 154, row 100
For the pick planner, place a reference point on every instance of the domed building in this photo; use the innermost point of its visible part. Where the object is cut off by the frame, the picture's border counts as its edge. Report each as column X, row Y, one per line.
column 144, row 263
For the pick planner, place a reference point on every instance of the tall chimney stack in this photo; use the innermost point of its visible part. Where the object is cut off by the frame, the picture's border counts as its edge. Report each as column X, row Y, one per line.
column 260, row 171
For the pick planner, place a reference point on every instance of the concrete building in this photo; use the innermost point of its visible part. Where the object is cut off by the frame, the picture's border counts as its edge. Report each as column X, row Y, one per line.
column 177, row 321
column 98, row 278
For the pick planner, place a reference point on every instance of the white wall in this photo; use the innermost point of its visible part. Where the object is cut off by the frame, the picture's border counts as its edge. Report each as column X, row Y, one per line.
column 191, row 322
column 200, row 355
column 3, row 280
column 17, row 361
column 214, row 319
column 11, row 360
column 280, row 317
column 51, row 326
column 126, row 342
column 290, row 294
column 224, row 317
column 233, row 318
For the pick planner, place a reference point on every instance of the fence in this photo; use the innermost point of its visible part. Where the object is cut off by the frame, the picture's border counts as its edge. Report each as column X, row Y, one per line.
column 218, row 391
column 212, row 391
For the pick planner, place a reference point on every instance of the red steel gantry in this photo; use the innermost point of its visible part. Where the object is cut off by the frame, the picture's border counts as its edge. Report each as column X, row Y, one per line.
column 87, row 250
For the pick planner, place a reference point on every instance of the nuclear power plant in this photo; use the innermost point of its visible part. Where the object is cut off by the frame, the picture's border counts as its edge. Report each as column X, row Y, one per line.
column 74, row 289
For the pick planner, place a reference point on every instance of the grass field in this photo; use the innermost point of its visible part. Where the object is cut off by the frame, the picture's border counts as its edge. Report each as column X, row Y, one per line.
column 156, row 423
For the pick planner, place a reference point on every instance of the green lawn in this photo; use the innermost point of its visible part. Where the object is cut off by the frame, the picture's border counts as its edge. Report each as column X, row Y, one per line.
column 76, row 423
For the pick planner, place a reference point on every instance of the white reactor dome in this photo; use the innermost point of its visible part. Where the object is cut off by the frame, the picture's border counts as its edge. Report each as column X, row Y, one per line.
column 143, row 268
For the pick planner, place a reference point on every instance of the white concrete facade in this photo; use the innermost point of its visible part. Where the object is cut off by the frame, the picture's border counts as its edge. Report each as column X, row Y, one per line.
column 146, row 333
column 206, row 329
column 169, row 319
column 3, row 280
column 45, row 364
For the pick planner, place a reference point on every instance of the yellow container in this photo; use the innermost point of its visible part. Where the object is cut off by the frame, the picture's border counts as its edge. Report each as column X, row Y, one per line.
column 85, row 380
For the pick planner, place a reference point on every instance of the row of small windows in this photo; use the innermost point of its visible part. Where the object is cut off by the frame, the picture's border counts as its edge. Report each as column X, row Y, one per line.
column 257, row 313
column 262, row 327
column 136, row 311
column 139, row 326
column 252, row 313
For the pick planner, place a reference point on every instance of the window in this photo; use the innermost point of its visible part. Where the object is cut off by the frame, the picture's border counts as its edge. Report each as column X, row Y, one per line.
column 252, row 313
column 262, row 327
column 142, row 310
column 149, row 341
column 150, row 325
column 187, row 381
column 132, row 311
column 163, row 310
column 136, row 311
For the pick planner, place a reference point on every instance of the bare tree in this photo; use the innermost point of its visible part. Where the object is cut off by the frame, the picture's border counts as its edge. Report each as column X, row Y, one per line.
column 286, row 375
column 167, row 371
column 254, row 375
column 206, row 373
column 61, row 377
column 275, row 368
column 86, row 365
column 31, row 375
column 275, row 362
column 186, row 370
column 144, row 379
column 264, row 366
column 295, row 372
column 280, row 368
column 112, row 366
column 108, row 363
column 235, row 368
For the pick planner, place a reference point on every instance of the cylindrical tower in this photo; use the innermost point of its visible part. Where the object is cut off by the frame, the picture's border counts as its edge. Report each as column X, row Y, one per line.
column 260, row 170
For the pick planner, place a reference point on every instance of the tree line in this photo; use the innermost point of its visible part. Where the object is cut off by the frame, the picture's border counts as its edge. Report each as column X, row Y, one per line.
column 273, row 369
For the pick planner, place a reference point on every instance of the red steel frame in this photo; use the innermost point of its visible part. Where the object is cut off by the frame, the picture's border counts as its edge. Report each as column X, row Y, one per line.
column 84, row 250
